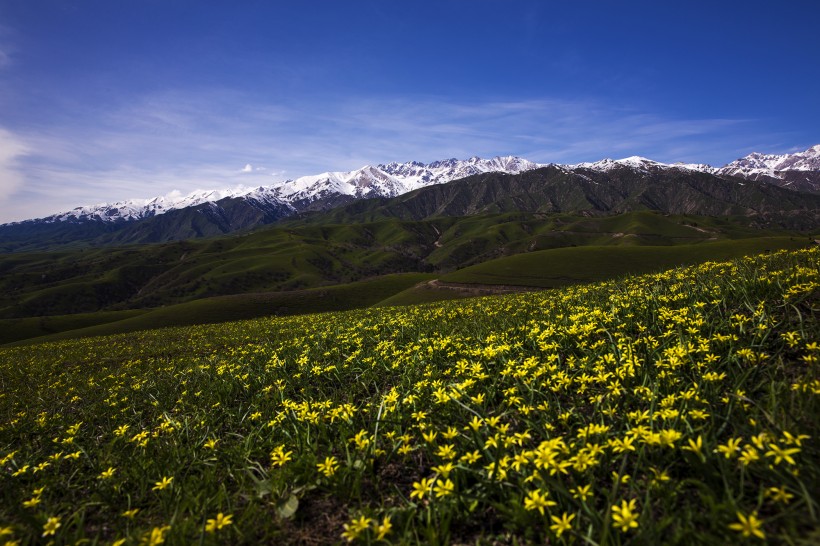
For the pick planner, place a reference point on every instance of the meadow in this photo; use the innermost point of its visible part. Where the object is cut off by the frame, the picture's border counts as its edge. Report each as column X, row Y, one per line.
column 677, row 408
column 300, row 255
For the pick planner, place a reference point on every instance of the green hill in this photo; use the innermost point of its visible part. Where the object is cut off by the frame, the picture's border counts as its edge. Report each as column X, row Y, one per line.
column 291, row 267
column 552, row 189
column 675, row 408
column 307, row 255
column 563, row 266
column 213, row 310
column 31, row 327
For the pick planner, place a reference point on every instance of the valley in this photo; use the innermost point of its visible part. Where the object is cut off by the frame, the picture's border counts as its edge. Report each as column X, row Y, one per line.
column 313, row 266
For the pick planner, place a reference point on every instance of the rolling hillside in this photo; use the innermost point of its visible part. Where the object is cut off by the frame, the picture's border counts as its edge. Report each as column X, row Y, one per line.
column 211, row 310
column 529, row 271
column 311, row 255
column 565, row 266
column 674, row 408
column 538, row 228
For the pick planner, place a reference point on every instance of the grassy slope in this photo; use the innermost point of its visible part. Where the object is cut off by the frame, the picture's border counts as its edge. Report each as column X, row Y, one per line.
column 685, row 401
column 29, row 327
column 563, row 266
column 298, row 256
column 423, row 293
column 303, row 255
column 540, row 269
column 476, row 239
column 247, row 306
column 163, row 274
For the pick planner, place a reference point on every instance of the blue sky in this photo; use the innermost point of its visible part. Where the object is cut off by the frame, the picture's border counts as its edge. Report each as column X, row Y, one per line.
column 102, row 100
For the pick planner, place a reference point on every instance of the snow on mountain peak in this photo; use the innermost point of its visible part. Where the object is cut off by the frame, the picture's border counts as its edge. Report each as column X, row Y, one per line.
column 369, row 181
column 137, row 209
column 395, row 179
column 634, row 161
column 758, row 163
column 700, row 167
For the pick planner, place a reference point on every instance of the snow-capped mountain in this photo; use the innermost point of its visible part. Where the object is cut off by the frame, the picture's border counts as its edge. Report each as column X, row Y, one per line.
column 641, row 164
column 634, row 162
column 417, row 175
column 394, row 178
column 800, row 171
column 137, row 209
column 770, row 165
column 606, row 186
column 369, row 181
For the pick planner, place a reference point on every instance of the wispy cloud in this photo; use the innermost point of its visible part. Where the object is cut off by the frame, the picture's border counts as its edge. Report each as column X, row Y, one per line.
column 12, row 150
column 183, row 141
column 6, row 48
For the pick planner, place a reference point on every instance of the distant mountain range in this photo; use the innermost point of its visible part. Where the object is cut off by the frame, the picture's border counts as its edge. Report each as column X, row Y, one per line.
column 315, row 192
column 499, row 184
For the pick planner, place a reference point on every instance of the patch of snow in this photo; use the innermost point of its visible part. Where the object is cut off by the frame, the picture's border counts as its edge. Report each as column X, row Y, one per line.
column 369, row 181
column 772, row 165
column 395, row 179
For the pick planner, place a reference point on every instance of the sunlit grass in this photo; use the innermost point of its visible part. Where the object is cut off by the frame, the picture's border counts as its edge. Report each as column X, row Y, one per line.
column 671, row 408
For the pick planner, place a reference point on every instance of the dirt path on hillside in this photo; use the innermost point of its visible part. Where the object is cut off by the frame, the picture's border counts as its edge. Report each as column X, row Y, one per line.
column 480, row 289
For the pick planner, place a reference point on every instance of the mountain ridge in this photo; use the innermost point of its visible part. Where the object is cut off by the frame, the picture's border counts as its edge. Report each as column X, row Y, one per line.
column 392, row 179
column 620, row 188
column 606, row 187
column 369, row 181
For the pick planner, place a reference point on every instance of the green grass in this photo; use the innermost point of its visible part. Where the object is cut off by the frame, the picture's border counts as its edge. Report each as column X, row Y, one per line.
column 302, row 255
column 30, row 327
column 677, row 408
column 229, row 308
column 564, row 266
column 164, row 274
column 424, row 293
column 540, row 269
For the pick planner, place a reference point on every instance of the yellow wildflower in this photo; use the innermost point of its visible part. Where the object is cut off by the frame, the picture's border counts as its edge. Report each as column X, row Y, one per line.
column 420, row 489
column 470, row 458
column 384, row 528
column 582, row 492
column 779, row 494
column 155, row 537
column 446, row 452
column 537, row 501
column 444, row 469
column 748, row 526
column 564, row 523
column 443, row 489
column 162, row 484
column 623, row 515
column 50, row 527
column 328, row 467
column 731, row 447
column 353, row 529
column 780, row 454
column 217, row 523
column 279, row 457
